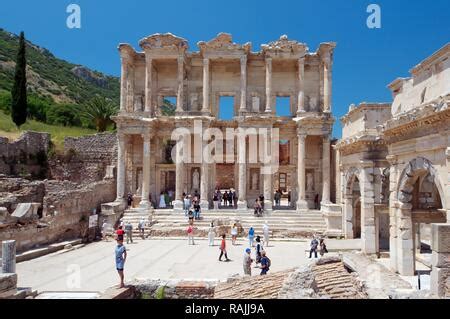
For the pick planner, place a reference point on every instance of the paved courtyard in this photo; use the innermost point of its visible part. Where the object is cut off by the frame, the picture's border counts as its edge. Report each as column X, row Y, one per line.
column 152, row 258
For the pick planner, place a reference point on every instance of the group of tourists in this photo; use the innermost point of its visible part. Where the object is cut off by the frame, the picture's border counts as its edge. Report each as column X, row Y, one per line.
column 166, row 199
column 317, row 244
column 229, row 198
column 191, row 206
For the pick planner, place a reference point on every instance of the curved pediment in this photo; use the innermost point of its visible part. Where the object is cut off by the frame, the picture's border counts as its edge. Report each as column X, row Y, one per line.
column 223, row 42
column 164, row 41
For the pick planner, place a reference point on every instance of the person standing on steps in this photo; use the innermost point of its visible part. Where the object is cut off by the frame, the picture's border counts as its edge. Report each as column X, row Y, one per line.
column 211, row 234
column 121, row 256
column 251, row 235
column 129, row 200
column 248, row 262
column 216, row 200
column 266, row 234
column 223, row 249
column 141, row 228
column 313, row 247
column 129, row 232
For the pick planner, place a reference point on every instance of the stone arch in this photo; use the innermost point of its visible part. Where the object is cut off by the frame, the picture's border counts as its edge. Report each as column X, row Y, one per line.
column 351, row 179
column 412, row 171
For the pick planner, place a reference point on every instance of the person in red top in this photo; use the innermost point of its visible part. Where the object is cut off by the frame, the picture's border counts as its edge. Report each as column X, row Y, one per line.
column 120, row 232
column 223, row 249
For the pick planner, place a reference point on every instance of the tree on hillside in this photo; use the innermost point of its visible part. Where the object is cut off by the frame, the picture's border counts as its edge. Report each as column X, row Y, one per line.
column 19, row 89
column 99, row 111
column 168, row 108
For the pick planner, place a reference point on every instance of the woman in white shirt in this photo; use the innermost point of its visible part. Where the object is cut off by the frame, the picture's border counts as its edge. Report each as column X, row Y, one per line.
column 234, row 232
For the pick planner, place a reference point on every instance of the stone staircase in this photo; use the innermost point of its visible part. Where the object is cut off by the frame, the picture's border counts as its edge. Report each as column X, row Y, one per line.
column 282, row 223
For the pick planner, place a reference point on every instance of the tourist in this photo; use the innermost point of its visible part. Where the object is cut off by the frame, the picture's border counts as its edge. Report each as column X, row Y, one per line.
column 265, row 263
column 196, row 196
column 313, row 247
column 190, row 234
column 251, row 235
column 322, row 247
column 162, row 202
column 121, row 223
column 316, row 201
column 121, row 256
column 120, row 233
column 234, row 233
column 171, row 197
column 225, row 198
column 196, row 210
column 166, row 199
column 248, row 262
column 191, row 215
column 211, row 234
column 105, row 230
column 129, row 200
column 230, row 198
column 234, row 199
column 261, row 201
column 186, row 203
column 257, row 209
column 223, row 249
column 259, row 249
column 129, row 232
column 216, row 200
column 277, row 197
column 266, row 233
column 141, row 227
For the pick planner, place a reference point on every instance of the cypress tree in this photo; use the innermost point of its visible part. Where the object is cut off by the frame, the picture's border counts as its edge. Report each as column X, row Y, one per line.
column 19, row 90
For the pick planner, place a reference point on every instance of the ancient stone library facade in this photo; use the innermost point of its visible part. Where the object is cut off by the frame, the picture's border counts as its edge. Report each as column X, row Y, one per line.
column 196, row 82
column 387, row 181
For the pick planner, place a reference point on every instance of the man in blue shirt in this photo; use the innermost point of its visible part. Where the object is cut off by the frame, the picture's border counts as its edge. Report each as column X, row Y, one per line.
column 121, row 256
column 265, row 263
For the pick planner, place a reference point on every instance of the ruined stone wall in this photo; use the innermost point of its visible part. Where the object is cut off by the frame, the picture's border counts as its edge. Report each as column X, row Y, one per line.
column 25, row 156
column 86, row 158
column 19, row 190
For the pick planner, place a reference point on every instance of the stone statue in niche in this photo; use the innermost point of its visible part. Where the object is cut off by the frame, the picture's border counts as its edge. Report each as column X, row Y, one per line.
column 309, row 182
column 313, row 106
column 139, row 103
column 196, row 180
column 139, row 181
column 255, row 181
column 194, row 101
column 255, row 103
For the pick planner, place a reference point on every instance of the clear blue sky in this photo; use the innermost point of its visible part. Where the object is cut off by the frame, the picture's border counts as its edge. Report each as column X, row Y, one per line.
column 365, row 60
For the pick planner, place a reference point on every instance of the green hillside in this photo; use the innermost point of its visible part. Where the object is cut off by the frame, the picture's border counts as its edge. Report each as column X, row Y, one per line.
column 53, row 78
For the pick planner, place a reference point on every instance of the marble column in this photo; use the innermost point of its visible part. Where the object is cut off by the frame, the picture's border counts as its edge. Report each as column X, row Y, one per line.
column 326, row 170
column 242, row 166
column 8, row 256
column 268, row 181
column 301, row 85
column 327, row 84
column 205, row 108
column 148, row 84
column 179, row 172
column 268, row 85
column 301, row 201
column 121, row 139
column 204, row 180
column 180, row 93
column 145, row 203
column 243, row 60
column 123, row 84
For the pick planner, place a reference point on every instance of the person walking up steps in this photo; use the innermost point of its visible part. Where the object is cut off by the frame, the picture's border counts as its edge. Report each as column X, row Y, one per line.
column 248, row 262
column 121, row 256
column 223, row 249
column 141, row 228
column 129, row 232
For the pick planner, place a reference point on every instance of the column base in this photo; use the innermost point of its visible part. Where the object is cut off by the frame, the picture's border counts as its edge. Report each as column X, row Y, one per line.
column 268, row 205
column 242, row 205
column 178, row 205
column 302, row 204
column 145, row 204
column 204, row 204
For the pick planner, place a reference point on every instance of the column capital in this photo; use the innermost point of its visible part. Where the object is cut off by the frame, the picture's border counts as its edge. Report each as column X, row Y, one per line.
column 205, row 61
column 301, row 136
column 181, row 59
column 147, row 134
column 243, row 59
column 268, row 60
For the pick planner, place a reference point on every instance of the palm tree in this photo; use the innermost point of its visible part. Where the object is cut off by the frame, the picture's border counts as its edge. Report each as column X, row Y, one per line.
column 99, row 111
